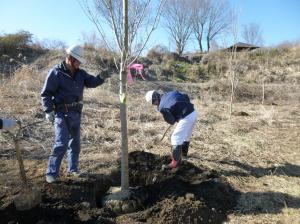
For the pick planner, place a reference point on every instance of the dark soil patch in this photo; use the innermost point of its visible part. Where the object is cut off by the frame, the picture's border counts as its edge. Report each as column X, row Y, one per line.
column 241, row 113
column 190, row 195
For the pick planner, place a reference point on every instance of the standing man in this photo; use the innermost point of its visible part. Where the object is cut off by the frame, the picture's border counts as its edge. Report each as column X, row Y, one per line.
column 62, row 97
column 176, row 107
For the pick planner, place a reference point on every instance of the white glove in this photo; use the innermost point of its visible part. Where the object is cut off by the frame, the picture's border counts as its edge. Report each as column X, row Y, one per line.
column 8, row 123
column 50, row 117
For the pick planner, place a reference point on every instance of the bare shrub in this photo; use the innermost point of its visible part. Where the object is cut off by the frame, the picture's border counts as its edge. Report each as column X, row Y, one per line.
column 156, row 53
column 197, row 73
column 53, row 44
column 101, row 58
column 10, row 44
column 26, row 85
column 268, row 116
column 216, row 63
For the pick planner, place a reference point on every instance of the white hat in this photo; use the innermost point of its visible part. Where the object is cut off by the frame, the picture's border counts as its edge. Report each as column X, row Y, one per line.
column 77, row 52
column 148, row 96
column 152, row 96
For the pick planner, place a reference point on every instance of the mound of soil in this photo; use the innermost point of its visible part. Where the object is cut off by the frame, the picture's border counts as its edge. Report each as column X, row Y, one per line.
column 189, row 195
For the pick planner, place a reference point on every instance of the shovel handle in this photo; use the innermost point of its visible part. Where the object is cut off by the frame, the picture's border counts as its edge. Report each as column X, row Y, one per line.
column 165, row 132
column 20, row 161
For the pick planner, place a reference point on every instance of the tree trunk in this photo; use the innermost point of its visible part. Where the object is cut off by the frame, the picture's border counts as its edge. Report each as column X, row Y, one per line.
column 232, row 93
column 263, row 91
column 208, row 43
column 200, row 40
column 123, row 114
column 178, row 48
column 200, row 43
column 200, row 46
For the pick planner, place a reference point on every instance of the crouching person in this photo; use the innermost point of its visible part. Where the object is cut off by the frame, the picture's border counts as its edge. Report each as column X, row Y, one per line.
column 62, row 97
column 176, row 107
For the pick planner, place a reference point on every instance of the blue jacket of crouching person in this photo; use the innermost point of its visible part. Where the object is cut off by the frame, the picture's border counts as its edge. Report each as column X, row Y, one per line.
column 175, row 106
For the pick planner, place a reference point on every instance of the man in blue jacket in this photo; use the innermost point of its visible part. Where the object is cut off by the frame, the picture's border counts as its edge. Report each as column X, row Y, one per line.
column 62, row 97
column 176, row 107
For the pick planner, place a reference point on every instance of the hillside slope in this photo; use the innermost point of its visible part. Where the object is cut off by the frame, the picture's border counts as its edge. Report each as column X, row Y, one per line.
column 241, row 169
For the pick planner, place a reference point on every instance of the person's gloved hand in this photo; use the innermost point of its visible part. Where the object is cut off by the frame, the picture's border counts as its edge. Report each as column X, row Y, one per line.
column 8, row 124
column 50, row 117
column 104, row 74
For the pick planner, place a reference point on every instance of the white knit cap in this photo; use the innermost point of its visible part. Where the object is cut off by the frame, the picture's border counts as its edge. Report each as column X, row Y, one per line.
column 77, row 52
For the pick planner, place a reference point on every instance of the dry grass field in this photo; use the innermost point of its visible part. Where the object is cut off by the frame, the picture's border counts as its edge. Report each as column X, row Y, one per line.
column 256, row 151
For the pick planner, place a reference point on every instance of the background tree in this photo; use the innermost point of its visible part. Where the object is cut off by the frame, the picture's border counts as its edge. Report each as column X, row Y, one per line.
column 178, row 22
column 252, row 34
column 219, row 19
column 107, row 16
column 232, row 58
column 126, row 29
column 200, row 12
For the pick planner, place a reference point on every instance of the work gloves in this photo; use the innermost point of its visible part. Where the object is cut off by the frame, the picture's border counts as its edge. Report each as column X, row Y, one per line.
column 104, row 74
column 8, row 124
column 50, row 117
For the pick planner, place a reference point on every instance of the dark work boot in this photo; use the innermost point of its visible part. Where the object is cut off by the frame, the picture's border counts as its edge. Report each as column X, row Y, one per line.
column 176, row 158
column 185, row 148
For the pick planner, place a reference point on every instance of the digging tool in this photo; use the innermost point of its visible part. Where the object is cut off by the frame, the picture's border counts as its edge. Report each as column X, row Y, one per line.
column 30, row 196
column 165, row 133
column 156, row 141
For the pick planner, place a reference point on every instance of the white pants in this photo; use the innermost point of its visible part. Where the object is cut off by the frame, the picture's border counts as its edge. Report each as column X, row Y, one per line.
column 184, row 128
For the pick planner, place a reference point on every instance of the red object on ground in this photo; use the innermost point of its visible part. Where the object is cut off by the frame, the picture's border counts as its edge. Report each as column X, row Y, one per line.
column 138, row 69
column 173, row 164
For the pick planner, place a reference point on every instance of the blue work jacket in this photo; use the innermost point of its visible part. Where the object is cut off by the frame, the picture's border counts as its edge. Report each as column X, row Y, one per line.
column 175, row 106
column 62, row 88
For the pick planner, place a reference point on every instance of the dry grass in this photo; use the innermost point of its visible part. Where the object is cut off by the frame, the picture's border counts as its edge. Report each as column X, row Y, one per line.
column 273, row 65
column 257, row 154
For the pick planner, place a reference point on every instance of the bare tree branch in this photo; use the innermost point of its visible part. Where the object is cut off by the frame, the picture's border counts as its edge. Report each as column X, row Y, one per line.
column 140, row 17
column 178, row 22
column 155, row 24
column 252, row 34
column 94, row 19
column 200, row 12
column 219, row 19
